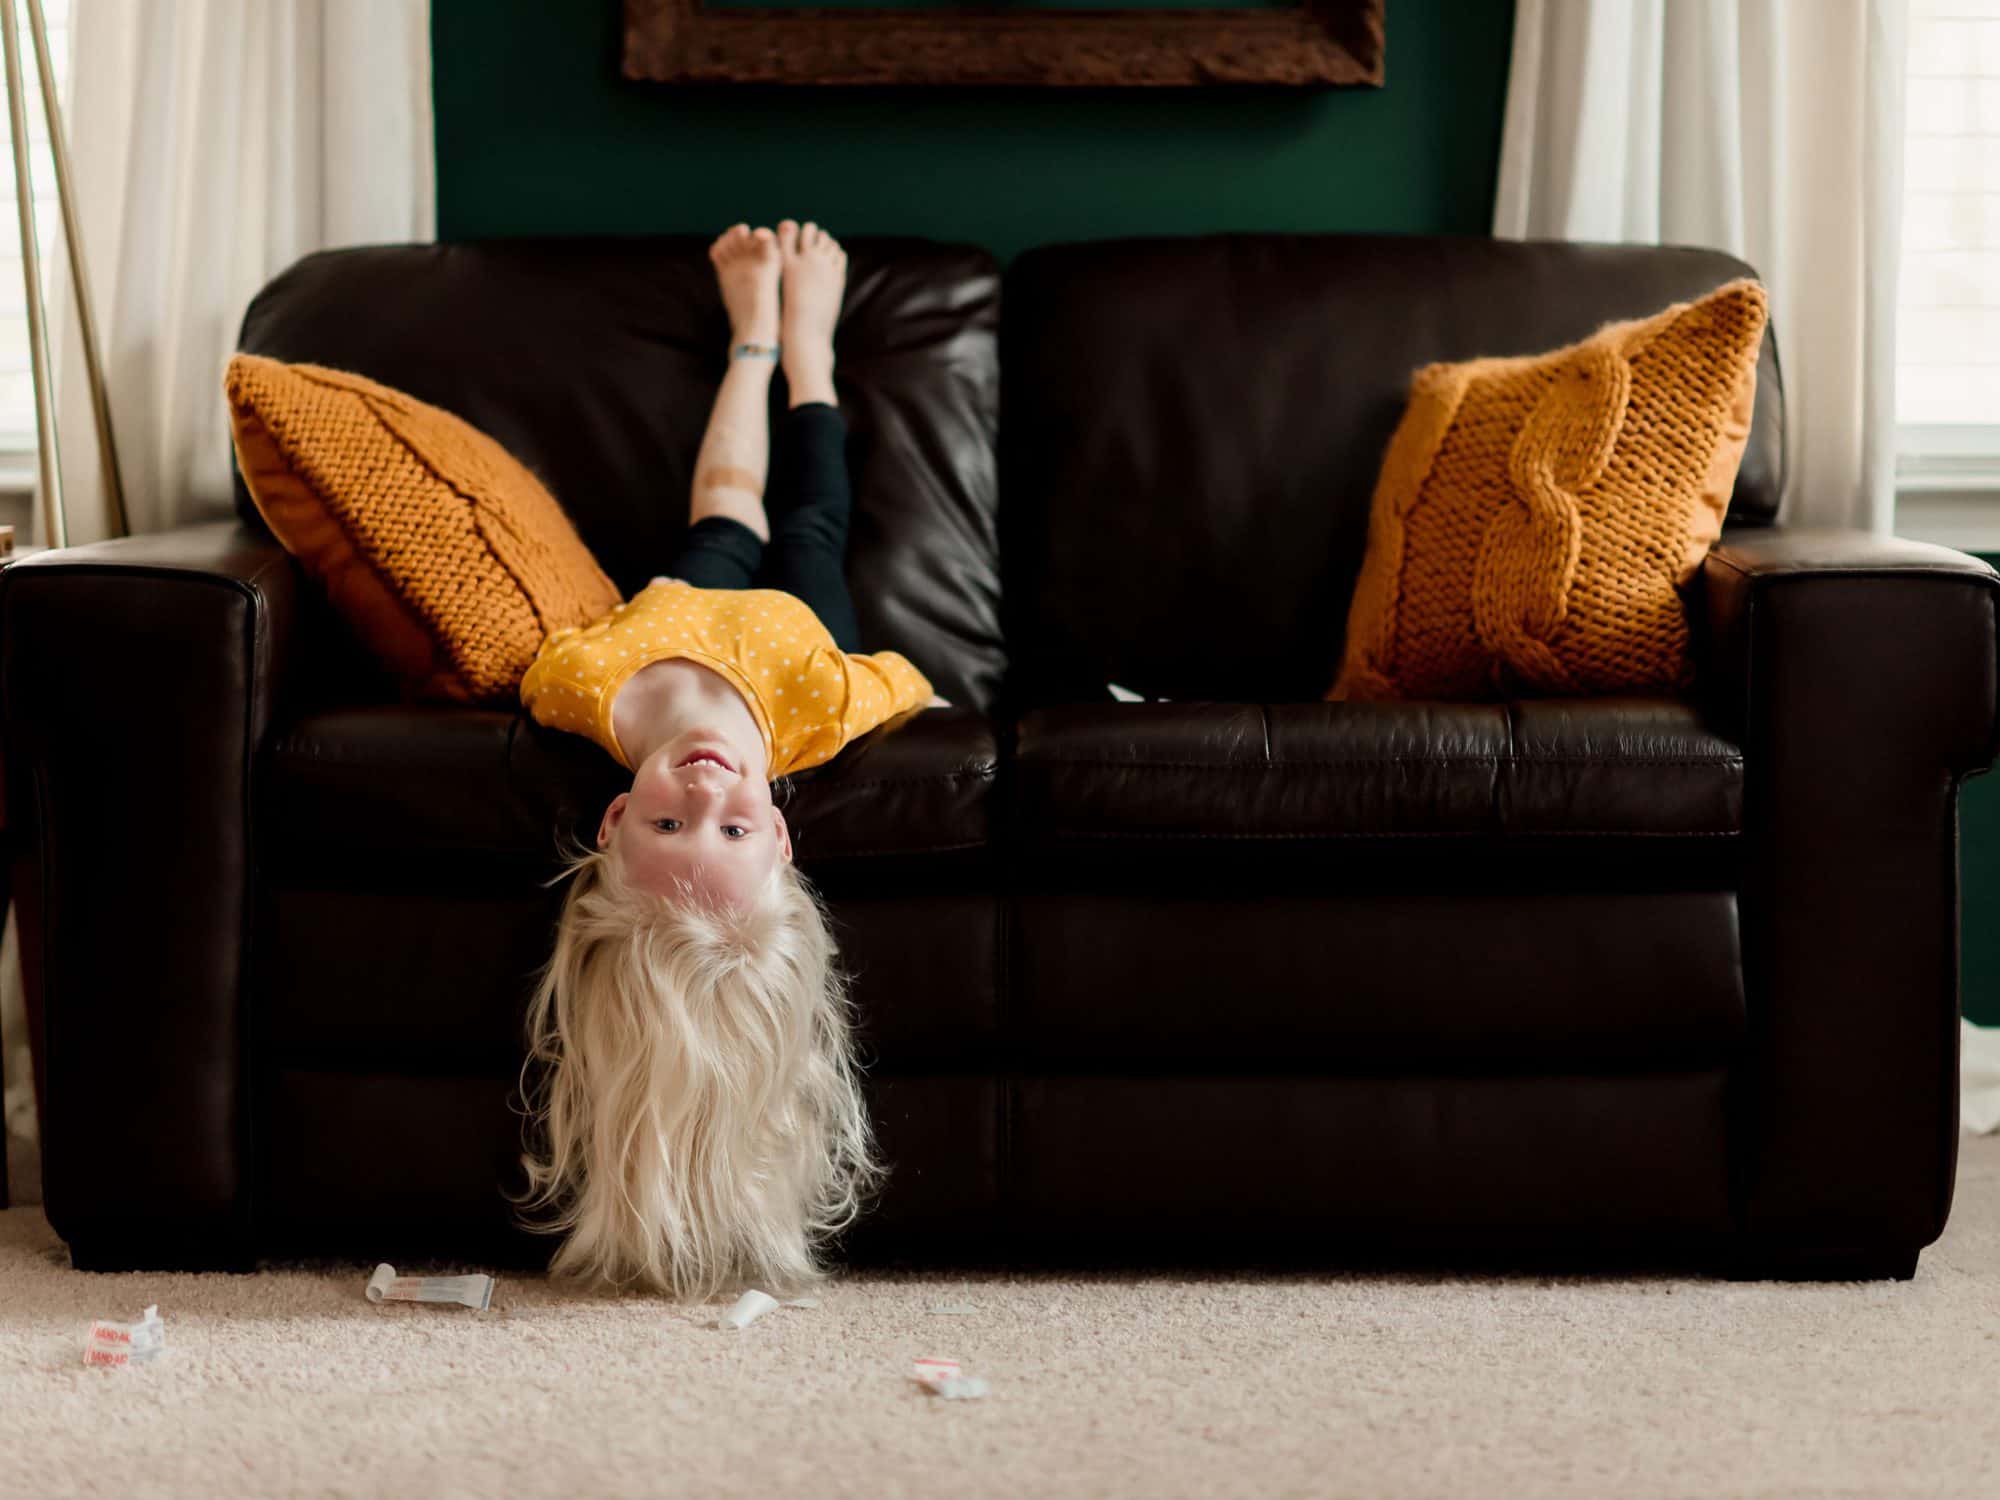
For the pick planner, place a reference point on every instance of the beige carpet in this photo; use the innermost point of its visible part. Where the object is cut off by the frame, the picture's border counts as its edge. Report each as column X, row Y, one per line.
column 290, row 1383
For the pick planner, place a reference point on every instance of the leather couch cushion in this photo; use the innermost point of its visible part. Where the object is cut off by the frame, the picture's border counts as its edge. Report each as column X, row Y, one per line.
column 430, row 972
column 1194, row 428
column 395, row 781
column 1314, row 976
column 445, row 555
column 1536, row 519
column 594, row 362
column 1308, row 1171
column 1167, row 774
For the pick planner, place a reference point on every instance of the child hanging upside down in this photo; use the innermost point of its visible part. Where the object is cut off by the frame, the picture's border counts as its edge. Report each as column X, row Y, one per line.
column 703, row 1123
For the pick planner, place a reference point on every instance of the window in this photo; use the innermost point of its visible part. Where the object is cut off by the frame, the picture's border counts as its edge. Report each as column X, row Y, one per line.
column 17, row 390
column 1948, row 302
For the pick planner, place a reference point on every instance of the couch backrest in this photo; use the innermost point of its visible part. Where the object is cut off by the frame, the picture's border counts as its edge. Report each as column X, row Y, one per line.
column 594, row 361
column 1191, row 430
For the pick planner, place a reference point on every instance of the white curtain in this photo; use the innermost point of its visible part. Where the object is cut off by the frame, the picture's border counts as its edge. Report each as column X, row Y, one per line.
column 1772, row 129
column 1769, row 128
column 213, row 143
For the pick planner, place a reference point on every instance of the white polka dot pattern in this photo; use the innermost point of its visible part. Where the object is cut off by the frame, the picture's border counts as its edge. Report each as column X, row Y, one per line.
column 810, row 698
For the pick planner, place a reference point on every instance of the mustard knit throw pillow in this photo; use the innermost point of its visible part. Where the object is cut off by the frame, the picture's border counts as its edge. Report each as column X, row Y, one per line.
column 1535, row 517
column 447, row 557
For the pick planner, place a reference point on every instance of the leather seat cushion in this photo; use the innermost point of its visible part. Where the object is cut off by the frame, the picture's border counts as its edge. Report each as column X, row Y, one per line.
column 398, row 780
column 1564, row 769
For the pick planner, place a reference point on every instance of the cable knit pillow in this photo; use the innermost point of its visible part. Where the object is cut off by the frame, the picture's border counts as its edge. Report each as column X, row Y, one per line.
column 446, row 556
column 1535, row 517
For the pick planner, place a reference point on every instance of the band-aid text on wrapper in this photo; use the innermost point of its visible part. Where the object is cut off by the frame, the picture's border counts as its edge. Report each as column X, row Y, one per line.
column 115, row 1345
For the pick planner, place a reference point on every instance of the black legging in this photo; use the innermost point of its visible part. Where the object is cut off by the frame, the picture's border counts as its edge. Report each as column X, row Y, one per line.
column 808, row 502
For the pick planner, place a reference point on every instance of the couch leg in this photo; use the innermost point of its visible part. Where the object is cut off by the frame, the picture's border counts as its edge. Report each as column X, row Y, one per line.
column 1785, row 1263
column 88, row 1256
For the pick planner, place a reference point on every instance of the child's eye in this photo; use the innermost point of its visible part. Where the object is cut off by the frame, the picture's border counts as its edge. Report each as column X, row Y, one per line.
column 735, row 831
column 667, row 825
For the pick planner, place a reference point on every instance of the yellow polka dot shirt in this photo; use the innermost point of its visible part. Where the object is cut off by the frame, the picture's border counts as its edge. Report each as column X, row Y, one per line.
column 809, row 698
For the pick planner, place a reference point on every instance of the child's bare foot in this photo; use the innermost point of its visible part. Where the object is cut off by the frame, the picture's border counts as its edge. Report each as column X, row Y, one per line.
column 746, row 268
column 815, row 272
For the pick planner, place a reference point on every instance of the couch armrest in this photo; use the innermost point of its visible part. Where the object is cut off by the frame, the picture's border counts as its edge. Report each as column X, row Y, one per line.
column 1862, row 676
column 137, row 685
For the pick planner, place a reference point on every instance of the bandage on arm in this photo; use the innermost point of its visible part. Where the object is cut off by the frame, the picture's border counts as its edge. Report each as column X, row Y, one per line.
column 735, row 445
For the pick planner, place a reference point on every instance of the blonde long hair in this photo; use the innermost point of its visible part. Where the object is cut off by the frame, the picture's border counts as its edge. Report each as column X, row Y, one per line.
column 699, row 1100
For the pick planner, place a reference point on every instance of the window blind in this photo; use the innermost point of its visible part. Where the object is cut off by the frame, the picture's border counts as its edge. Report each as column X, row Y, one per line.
column 1948, row 299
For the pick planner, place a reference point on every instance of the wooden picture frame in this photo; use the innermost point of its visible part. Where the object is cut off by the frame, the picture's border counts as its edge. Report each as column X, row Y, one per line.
column 1312, row 42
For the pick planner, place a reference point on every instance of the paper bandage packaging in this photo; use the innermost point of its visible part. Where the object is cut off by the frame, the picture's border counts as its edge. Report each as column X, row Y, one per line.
column 474, row 1291
column 117, row 1344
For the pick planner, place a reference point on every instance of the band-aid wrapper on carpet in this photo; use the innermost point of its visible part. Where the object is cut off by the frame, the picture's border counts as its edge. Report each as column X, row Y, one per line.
column 748, row 1308
column 474, row 1291
column 114, row 1344
column 752, row 1305
column 941, row 1377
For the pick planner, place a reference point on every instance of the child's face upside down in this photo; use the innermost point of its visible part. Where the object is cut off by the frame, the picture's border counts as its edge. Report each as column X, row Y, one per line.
column 699, row 816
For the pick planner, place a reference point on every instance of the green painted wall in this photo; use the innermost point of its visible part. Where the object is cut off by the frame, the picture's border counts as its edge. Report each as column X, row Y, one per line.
column 538, row 134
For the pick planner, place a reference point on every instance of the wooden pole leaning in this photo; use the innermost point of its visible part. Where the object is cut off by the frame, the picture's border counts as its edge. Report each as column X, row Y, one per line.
column 54, row 512
column 86, row 315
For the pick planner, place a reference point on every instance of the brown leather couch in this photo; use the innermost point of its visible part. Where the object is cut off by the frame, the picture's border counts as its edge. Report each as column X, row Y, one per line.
column 1237, row 975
